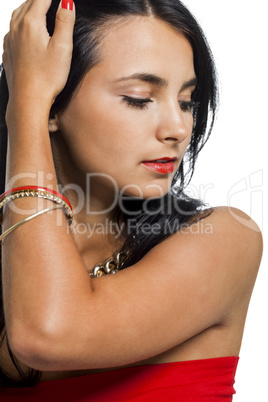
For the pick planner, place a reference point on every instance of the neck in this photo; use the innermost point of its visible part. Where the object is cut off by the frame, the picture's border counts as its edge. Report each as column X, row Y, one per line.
column 95, row 229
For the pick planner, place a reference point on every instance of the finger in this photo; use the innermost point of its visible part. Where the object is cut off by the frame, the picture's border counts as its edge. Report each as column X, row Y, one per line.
column 6, row 48
column 64, row 25
column 4, row 60
column 36, row 9
column 39, row 8
column 7, row 44
column 6, row 41
column 20, row 12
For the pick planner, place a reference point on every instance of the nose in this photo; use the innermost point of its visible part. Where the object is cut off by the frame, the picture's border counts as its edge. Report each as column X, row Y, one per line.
column 172, row 124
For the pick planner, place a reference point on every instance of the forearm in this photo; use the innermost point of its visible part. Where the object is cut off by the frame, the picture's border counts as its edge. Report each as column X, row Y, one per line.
column 42, row 269
column 29, row 148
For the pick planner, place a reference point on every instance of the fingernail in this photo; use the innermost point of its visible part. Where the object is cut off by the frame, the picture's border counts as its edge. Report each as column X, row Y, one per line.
column 67, row 4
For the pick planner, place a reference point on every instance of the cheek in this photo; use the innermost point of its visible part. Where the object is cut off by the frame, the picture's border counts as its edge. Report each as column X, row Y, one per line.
column 110, row 123
column 189, row 123
column 97, row 138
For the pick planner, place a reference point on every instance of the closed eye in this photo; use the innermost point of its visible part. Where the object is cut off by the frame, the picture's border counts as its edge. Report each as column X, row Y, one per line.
column 188, row 106
column 141, row 103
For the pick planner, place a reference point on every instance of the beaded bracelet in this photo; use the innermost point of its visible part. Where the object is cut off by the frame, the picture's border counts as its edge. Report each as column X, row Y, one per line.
column 3, row 235
column 41, row 192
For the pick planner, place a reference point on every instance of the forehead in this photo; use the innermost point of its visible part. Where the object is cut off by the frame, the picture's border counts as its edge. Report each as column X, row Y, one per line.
column 145, row 44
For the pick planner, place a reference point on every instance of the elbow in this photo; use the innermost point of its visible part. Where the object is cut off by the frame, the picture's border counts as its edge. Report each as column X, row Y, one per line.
column 35, row 349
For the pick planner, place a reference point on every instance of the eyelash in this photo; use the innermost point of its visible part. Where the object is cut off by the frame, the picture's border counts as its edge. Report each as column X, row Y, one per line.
column 185, row 106
column 190, row 106
column 136, row 102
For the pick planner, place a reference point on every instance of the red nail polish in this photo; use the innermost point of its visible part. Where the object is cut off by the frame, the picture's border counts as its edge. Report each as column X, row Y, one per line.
column 67, row 4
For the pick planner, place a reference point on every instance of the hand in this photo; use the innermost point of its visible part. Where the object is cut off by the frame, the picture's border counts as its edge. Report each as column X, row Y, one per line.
column 37, row 65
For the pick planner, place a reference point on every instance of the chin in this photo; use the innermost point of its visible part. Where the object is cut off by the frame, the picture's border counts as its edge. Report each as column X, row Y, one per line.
column 148, row 192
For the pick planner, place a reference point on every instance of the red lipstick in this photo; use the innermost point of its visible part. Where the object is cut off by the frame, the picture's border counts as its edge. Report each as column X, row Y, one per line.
column 162, row 165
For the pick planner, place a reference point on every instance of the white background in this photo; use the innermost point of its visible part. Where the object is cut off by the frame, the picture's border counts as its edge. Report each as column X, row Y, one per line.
column 232, row 168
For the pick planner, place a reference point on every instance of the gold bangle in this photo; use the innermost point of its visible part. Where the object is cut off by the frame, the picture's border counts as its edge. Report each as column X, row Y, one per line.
column 40, row 193
column 3, row 235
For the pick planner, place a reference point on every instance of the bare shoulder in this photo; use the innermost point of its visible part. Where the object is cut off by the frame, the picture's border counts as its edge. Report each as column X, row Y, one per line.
column 230, row 228
column 222, row 250
column 232, row 217
column 231, row 240
column 226, row 229
column 234, row 231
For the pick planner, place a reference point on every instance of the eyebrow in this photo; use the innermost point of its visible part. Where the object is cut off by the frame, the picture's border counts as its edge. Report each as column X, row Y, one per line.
column 191, row 83
column 156, row 80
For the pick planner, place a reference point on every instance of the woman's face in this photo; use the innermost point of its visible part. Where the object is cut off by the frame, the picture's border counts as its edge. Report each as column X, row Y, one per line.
column 133, row 109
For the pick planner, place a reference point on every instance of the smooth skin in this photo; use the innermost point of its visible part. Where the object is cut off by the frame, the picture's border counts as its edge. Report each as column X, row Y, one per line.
column 188, row 297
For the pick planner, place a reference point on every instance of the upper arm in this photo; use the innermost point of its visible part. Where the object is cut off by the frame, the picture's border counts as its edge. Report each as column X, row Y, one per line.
column 183, row 286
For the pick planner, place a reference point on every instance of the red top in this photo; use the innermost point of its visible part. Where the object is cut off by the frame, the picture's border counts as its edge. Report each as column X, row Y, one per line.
column 208, row 380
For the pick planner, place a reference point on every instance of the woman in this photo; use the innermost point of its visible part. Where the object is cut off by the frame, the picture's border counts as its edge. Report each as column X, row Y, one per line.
column 126, row 111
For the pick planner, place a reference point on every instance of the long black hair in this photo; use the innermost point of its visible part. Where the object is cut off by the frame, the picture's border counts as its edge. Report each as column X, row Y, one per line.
column 170, row 212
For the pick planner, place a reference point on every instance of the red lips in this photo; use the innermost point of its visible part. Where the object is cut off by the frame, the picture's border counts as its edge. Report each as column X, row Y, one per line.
column 162, row 165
